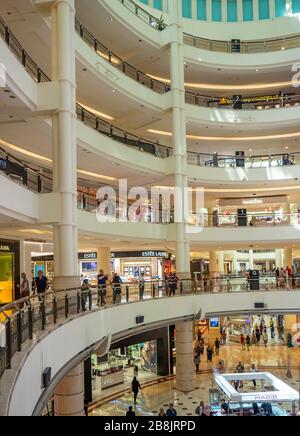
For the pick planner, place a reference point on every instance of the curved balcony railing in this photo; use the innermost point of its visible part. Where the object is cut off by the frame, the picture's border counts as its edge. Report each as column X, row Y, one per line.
column 144, row 145
column 30, row 317
column 259, row 46
column 116, row 61
column 120, row 135
column 31, row 67
column 191, row 97
column 143, row 14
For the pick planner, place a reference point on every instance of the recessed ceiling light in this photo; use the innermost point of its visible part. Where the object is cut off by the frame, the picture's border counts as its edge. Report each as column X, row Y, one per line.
column 286, row 148
column 113, row 90
column 250, row 149
column 257, row 71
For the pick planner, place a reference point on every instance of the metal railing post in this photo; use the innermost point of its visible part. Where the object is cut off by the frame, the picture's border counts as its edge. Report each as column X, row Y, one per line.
column 19, row 331
column 66, row 306
column 30, row 322
column 8, row 343
column 181, row 287
column 54, row 310
column 78, row 302
column 127, row 293
column 43, row 314
column 90, row 300
column 153, row 290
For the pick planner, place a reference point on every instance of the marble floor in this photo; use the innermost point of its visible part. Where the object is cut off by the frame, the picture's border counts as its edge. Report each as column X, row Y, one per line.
column 151, row 399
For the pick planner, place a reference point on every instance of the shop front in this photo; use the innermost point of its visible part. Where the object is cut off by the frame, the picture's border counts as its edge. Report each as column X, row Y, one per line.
column 9, row 271
column 131, row 265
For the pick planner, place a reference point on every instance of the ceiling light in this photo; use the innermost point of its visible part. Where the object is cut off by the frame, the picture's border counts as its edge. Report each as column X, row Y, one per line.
column 286, row 148
column 97, row 176
column 229, row 138
column 97, row 113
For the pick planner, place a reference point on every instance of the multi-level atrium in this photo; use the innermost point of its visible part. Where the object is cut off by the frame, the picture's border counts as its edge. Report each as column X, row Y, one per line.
column 150, row 208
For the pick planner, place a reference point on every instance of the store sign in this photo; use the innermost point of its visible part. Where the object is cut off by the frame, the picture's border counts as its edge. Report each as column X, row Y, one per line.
column 4, row 248
column 136, row 254
column 87, row 256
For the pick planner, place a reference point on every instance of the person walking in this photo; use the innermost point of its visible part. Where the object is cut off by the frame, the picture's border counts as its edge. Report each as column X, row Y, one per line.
column 209, row 353
column 243, row 342
column 102, row 287
column 224, row 337
column 258, row 336
column 265, row 339
column 24, row 287
column 135, row 387
column 130, row 412
column 217, row 346
column 254, row 339
column 248, row 342
column 172, row 282
column 197, row 361
column 171, row 412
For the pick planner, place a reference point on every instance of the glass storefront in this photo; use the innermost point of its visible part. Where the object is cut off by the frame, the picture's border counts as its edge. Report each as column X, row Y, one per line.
column 9, row 271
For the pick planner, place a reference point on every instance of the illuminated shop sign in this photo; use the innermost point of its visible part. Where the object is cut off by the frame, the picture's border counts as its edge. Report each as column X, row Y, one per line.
column 145, row 254
column 4, row 248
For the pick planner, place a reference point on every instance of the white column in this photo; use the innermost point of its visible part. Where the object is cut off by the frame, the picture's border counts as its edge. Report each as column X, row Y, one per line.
column 240, row 10
column 179, row 135
column 289, row 6
column 279, row 258
column 68, row 397
column 272, row 9
column 104, row 262
column 194, row 10
column 255, row 10
column 213, row 263
column 209, row 10
column 185, row 368
column 224, row 11
column 221, row 268
column 64, row 144
column 234, row 262
column 288, row 257
column 251, row 259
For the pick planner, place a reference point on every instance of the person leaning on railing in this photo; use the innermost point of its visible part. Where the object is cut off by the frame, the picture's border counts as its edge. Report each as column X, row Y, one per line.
column 117, row 289
column 102, row 286
column 41, row 285
column 85, row 289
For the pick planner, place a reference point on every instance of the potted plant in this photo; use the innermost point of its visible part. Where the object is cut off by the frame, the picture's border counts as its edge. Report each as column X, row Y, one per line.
column 160, row 24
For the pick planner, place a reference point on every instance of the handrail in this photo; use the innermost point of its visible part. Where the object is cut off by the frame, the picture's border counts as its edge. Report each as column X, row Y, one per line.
column 31, row 316
column 191, row 97
column 254, row 46
column 143, row 78
column 142, row 14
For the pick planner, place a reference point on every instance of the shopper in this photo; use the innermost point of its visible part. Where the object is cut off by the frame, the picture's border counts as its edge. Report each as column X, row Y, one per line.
column 173, row 283
column 217, row 346
column 224, row 407
column 257, row 336
column 254, row 338
column 200, row 409
column 248, row 342
column 171, row 411
column 117, row 290
column 197, row 361
column 253, row 370
column 102, row 287
column 209, row 353
column 85, row 289
column 243, row 340
column 135, row 387
column 162, row 413
column 141, row 286
column 24, row 287
column 130, row 412
column 41, row 285
column 224, row 337
column 265, row 339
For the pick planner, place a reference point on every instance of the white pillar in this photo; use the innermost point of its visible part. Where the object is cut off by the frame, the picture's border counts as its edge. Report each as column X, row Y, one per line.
column 255, row 10
column 68, row 397
column 221, row 267
column 213, row 263
column 279, row 262
column 179, row 135
column 104, row 262
column 251, row 259
column 64, row 144
column 272, row 9
column 288, row 257
column 185, row 368
column 234, row 262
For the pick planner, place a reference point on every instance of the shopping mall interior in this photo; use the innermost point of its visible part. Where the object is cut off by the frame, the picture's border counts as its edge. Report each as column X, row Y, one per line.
column 150, row 208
